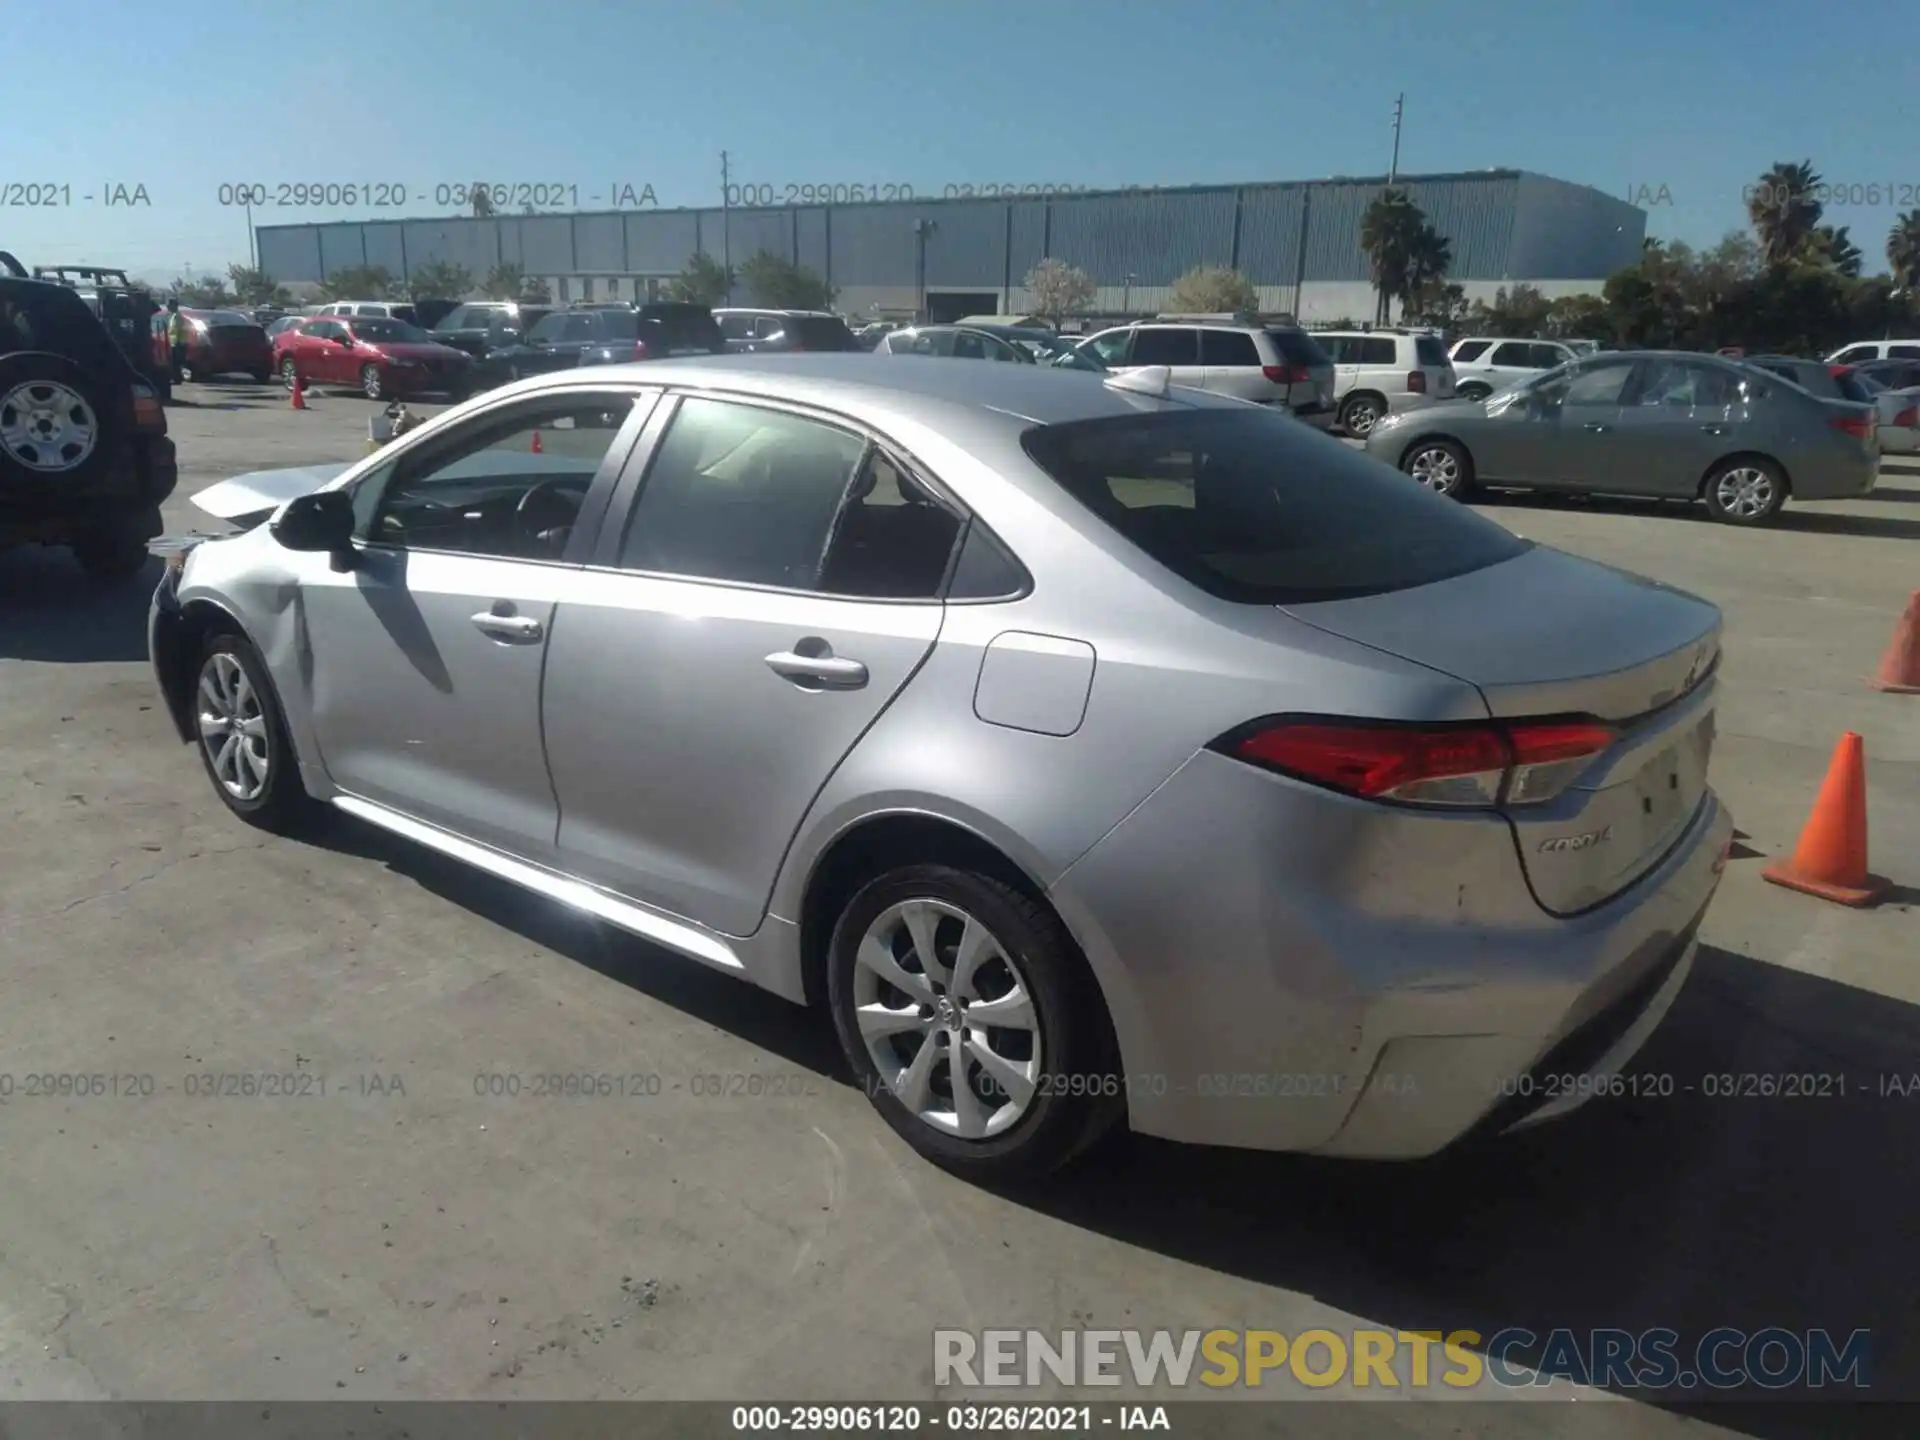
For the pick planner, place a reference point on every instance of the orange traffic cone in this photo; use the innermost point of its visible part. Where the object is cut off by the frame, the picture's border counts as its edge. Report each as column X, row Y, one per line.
column 1831, row 858
column 1900, row 667
column 298, row 399
column 537, row 447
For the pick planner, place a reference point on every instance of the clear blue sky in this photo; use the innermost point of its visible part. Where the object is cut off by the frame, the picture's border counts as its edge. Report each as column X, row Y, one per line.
column 1696, row 96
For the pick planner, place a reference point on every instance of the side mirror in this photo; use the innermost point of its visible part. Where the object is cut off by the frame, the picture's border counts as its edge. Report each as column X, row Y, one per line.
column 346, row 340
column 321, row 523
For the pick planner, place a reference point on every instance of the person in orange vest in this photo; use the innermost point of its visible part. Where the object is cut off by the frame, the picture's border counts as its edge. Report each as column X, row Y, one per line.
column 177, row 338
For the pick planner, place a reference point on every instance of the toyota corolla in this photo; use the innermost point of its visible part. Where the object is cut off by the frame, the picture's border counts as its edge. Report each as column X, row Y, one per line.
column 1092, row 752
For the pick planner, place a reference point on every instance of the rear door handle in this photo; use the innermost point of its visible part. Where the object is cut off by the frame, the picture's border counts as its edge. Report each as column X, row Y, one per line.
column 1714, row 429
column 829, row 672
column 1595, row 427
column 514, row 629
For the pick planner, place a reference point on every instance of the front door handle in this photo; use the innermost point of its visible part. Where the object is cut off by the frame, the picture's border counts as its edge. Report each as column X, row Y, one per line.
column 1714, row 429
column 828, row 672
column 1595, row 427
column 514, row 629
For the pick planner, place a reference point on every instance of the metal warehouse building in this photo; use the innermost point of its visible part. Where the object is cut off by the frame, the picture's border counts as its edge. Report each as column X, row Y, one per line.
column 1299, row 242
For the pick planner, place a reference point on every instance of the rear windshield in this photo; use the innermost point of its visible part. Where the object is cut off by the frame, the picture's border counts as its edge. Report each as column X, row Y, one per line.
column 1296, row 347
column 686, row 327
column 620, row 324
column 819, row 332
column 1248, row 506
column 1429, row 350
column 228, row 317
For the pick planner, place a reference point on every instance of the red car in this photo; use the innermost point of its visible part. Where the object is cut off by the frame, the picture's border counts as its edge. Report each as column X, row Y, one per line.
column 376, row 356
column 219, row 342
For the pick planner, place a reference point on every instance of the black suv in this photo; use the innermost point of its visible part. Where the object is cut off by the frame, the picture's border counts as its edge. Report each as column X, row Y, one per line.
column 658, row 330
column 84, row 456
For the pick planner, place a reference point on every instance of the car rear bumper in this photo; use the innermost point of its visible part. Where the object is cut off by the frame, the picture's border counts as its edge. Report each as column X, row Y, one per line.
column 1296, row 971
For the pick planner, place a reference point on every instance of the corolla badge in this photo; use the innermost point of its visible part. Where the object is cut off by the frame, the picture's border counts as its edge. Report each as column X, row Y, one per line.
column 1561, row 844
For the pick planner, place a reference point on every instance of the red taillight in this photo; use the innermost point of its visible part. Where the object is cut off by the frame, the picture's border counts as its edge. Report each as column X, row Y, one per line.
column 1463, row 765
column 1286, row 374
column 1416, row 382
column 1840, row 370
column 1858, row 426
column 1909, row 418
column 640, row 351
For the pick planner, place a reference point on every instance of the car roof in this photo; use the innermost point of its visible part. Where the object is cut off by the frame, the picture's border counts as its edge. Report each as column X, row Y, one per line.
column 857, row 382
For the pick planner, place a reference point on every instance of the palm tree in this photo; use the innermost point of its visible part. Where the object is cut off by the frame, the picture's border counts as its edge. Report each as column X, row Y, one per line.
column 1903, row 249
column 1388, row 233
column 1783, row 210
column 1428, row 259
column 1829, row 246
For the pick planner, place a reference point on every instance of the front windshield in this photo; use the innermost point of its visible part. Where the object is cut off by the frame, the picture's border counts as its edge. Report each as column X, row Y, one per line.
column 390, row 332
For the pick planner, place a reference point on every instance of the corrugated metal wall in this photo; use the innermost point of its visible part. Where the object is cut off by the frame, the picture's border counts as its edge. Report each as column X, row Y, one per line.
column 1502, row 225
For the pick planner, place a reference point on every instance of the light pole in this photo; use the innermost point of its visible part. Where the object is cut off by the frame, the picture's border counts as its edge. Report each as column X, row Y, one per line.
column 1126, row 294
column 726, row 225
column 921, row 230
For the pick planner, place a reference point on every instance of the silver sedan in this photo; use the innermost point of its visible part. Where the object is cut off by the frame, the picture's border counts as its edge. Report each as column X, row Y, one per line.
column 1092, row 752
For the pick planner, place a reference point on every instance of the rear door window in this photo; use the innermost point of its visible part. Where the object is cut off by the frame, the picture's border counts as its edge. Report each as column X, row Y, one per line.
column 1247, row 507
column 1165, row 345
column 1228, row 347
column 1903, row 352
column 1467, row 351
column 1376, row 350
column 1515, row 354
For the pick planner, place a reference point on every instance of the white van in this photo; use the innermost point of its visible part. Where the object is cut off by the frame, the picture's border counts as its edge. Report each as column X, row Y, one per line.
column 1876, row 350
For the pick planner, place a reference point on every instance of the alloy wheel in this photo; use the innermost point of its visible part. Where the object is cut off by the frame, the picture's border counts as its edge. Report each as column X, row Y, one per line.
column 948, row 1019
column 289, row 372
column 370, row 382
column 1361, row 417
column 233, row 727
column 1437, row 468
column 1744, row 492
column 47, row 427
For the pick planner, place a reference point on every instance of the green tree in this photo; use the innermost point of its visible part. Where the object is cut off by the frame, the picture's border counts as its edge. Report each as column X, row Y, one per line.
column 255, row 287
column 1212, row 290
column 1784, row 211
column 439, row 280
column 1829, row 245
column 1428, row 259
column 1389, row 233
column 778, row 283
column 480, row 199
column 535, row 292
column 1059, row 290
column 504, row 282
column 1903, row 249
column 358, row 282
column 702, row 281
column 204, row 292
column 1579, row 317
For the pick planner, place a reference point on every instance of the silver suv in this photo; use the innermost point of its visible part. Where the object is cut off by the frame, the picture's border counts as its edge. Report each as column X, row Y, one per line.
column 1270, row 364
column 1484, row 364
column 1384, row 372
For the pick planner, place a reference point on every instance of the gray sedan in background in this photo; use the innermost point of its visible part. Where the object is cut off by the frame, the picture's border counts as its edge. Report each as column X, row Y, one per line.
column 1662, row 424
column 1091, row 751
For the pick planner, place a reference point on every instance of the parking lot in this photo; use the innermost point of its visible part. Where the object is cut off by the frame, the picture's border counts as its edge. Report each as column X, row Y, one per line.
column 408, row 1235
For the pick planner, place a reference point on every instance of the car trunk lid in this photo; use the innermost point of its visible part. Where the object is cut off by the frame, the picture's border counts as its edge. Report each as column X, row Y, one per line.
column 1547, row 634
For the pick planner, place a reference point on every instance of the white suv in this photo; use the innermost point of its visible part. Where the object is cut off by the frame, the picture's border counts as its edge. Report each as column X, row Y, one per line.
column 1276, row 365
column 1876, row 350
column 1484, row 364
column 1383, row 372
column 378, row 309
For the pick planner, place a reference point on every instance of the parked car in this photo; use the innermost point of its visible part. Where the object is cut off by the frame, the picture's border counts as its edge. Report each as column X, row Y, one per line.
column 379, row 358
column 1383, row 372
column 485, row 329
column 1667, row 424
column 1270, row 364
column 871, row 334
column 980, row 342
column 219, row 342
column 124, row 306
column 854, row 751
column 1876, row 350
column 784, row 330
column 1816, row 377
column 277, row 328
column 559, row 338
column 1483, row 365
column 658, row 330
column 1897, row 412
column 1890, row 374
column 85, row 459
column 370, row 310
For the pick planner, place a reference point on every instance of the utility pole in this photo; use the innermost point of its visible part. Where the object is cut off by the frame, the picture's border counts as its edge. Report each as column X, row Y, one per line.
column 921, row 230
column 726, row 224
column 253, row 258
column 1399, row 113
column 1126, row 296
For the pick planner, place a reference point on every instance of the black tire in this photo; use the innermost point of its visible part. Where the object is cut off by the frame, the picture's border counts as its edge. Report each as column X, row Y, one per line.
column 1062, row 1120
column 370, row 383
column 289, row 372
column 1426, row 461
column 77, row 406
column 261, row 377
column 1360, row 413
column 459, row 393
column 116, row 553
column 282, row 805
column 1745, row 490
